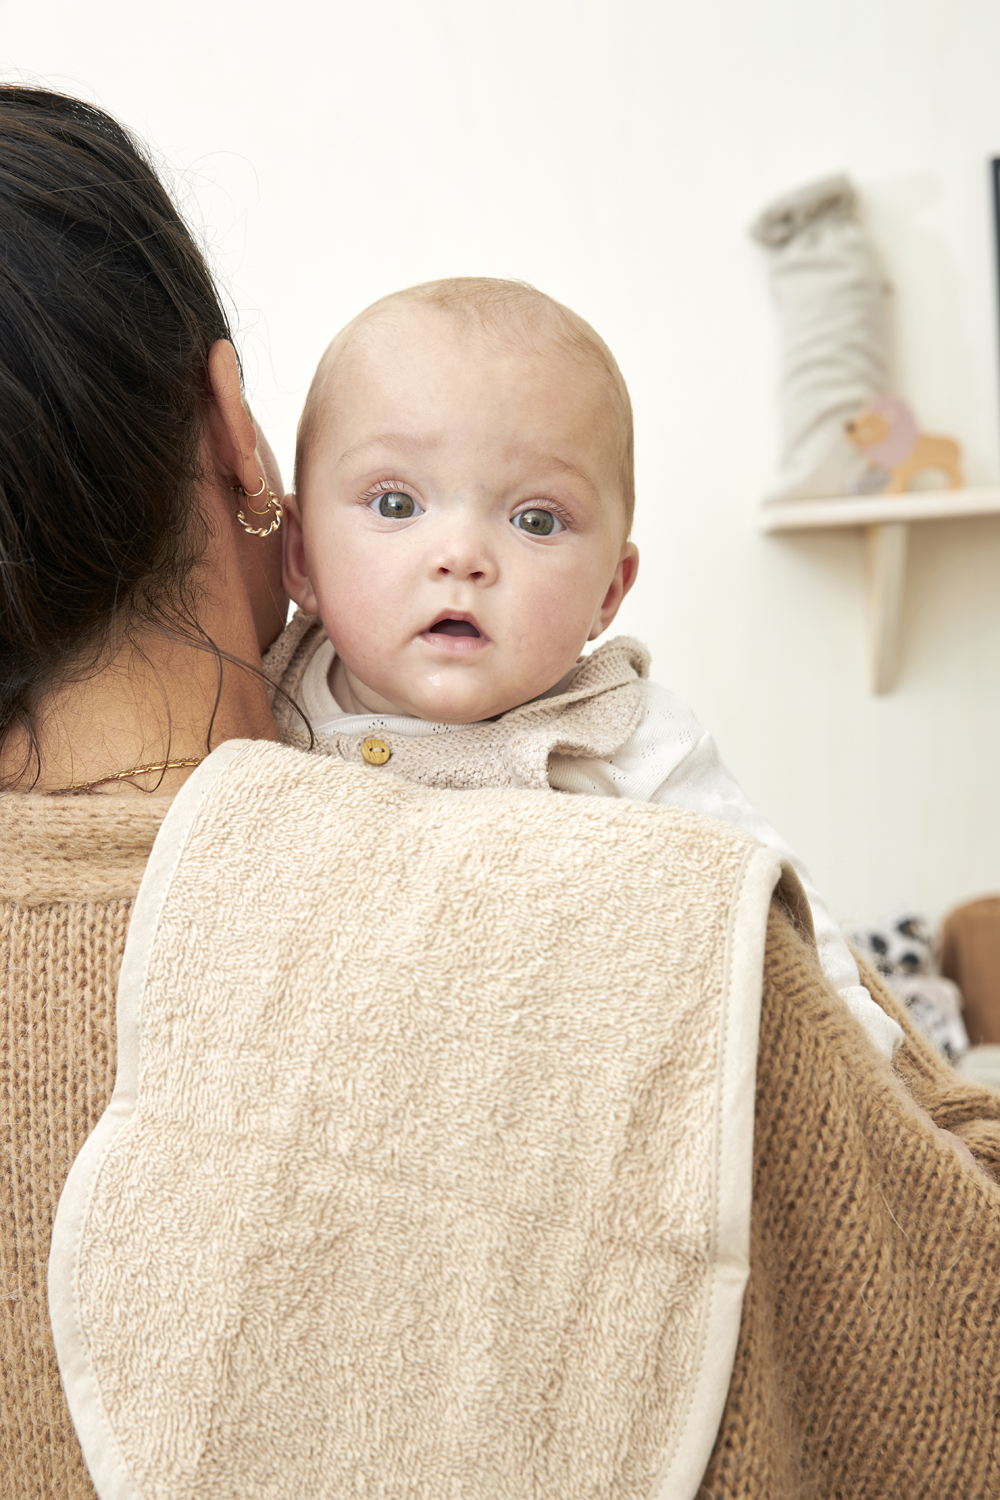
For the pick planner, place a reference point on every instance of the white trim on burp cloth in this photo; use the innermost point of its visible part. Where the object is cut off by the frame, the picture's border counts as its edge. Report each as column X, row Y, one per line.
column 427, row 1169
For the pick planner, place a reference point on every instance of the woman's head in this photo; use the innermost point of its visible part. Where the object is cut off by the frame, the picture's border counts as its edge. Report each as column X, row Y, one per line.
column 107, row 316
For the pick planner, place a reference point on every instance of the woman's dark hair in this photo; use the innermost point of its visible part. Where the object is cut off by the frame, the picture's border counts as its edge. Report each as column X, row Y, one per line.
column 107, row 315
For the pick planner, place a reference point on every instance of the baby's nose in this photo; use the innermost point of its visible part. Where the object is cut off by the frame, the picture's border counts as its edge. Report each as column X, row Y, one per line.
column 467, row 560
column 456, row 569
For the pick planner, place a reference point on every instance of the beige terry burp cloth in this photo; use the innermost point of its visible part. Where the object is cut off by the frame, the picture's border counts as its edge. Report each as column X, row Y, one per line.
column 598, row 708
column 427, row 1170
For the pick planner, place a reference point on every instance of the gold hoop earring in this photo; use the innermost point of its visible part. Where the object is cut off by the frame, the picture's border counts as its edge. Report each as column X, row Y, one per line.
column 273, row 504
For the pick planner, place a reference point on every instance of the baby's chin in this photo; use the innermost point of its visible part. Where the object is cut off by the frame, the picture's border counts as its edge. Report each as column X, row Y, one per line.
column 464, row 713
column 445, row 695
column 449, row 706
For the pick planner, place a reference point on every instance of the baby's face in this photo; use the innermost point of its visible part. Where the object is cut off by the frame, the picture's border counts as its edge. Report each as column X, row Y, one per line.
column 459, row 524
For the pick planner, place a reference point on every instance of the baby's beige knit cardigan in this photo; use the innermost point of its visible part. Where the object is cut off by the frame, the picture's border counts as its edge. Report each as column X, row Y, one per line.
column 596, row 710
column 868, row 1360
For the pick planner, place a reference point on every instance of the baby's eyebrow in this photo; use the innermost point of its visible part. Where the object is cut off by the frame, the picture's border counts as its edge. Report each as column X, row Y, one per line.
column 563, row 465
column 552, row 462
column 413, row 442
column 401, row 442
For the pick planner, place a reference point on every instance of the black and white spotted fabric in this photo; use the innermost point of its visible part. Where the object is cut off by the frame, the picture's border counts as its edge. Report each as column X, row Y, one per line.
column 902, row 951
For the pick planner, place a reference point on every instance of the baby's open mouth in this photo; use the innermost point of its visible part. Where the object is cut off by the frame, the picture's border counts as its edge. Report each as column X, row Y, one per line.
column 454, row 627
column 455, row 635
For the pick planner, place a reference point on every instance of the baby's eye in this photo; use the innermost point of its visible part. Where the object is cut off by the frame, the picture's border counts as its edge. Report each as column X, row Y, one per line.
column 395, row 505
column 537, row 522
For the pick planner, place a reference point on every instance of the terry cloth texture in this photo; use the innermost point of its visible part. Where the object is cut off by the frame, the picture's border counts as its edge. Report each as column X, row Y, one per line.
column 447, row 1193
column 599, row 709
column 69, row 871
column 867, row 1359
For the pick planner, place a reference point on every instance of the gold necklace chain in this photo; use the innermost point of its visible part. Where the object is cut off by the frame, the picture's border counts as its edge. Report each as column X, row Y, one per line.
column 162, row 765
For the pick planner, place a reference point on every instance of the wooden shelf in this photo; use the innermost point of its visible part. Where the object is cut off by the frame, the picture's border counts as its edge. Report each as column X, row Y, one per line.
column 886, row 520
column 876, row 510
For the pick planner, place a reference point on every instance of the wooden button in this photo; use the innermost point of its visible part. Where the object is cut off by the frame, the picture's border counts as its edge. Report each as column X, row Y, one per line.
column 375, row 752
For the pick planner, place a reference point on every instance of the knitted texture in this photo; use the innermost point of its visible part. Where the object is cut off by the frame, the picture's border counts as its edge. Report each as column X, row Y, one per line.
column 78, row 848
column 595, row 713
column 59, row 962
column 869, row 1356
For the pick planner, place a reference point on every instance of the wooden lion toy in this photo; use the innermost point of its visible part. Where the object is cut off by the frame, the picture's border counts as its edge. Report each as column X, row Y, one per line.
column 886, row 432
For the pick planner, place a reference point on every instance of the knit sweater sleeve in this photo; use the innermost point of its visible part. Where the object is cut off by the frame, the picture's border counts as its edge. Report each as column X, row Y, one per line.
column 869, row 1353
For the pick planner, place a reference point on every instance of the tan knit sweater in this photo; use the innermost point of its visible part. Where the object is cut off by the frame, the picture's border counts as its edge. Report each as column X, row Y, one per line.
column 869, row 1354
column 69, row 871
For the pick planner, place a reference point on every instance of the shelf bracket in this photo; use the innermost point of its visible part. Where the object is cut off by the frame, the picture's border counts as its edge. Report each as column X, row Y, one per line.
column 886, row 547
column 885, row 519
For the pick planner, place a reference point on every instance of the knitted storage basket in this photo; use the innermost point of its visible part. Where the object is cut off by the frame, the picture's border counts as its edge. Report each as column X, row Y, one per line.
column 831, row 297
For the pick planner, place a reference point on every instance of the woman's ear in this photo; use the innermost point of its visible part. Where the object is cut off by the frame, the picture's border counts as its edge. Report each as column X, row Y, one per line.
column 295, row 572
column 624, row 577
column 231, row 432
column 233, row 452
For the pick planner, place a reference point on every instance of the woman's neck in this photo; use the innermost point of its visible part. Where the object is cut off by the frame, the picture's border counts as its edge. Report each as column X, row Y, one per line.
column 131, row 714
column 158, row 698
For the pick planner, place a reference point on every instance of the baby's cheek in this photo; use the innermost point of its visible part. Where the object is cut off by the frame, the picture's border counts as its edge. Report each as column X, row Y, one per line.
column 552, row 632
column 568, row 612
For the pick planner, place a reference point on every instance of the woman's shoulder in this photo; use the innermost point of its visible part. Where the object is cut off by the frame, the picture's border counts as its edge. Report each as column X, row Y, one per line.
column 86, row 848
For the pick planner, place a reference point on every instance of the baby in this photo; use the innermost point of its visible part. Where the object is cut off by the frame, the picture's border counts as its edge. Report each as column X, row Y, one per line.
column 460, row 530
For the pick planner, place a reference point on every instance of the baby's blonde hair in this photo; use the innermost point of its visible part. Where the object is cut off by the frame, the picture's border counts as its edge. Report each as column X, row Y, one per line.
column 514, row 312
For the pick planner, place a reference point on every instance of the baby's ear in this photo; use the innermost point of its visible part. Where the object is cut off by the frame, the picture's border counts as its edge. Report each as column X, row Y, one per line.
column 294, row 572
column 621, row 582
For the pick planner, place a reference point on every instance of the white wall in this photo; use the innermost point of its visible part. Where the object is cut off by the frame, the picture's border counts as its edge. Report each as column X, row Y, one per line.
column 613, row 152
